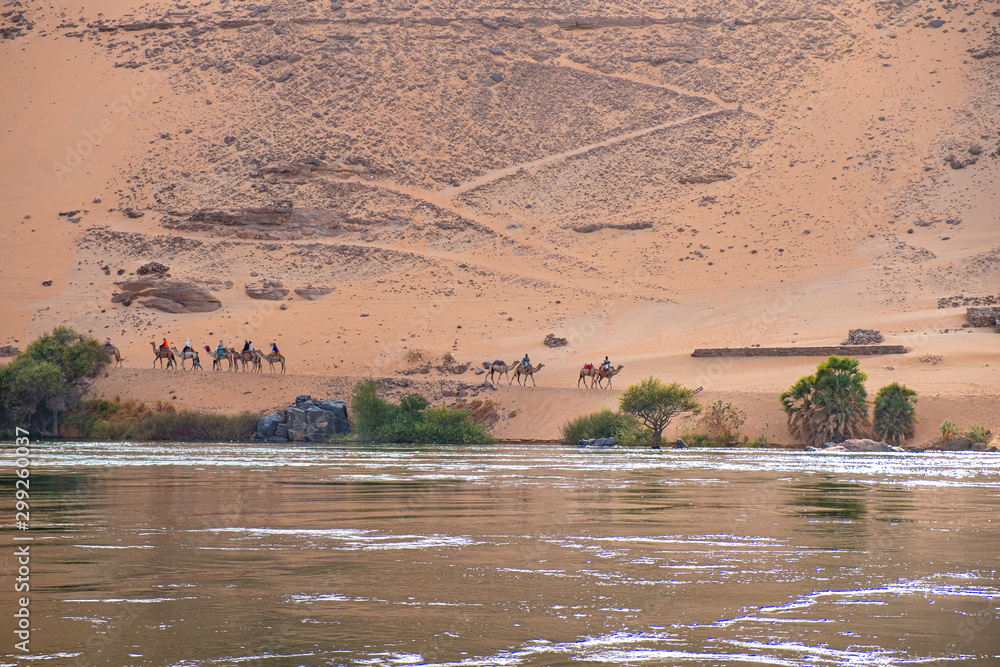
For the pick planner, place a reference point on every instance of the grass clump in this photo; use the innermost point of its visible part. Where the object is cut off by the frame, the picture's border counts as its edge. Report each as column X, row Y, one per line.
column 412, row 420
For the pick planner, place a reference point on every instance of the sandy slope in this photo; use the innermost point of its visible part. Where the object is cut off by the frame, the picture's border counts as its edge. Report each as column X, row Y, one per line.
column 771, row 169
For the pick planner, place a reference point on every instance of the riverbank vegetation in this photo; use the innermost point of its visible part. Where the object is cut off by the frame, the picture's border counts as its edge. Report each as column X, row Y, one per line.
column 119, row 420
column 47, row 380
column 412, row 420
column 644, row 411
column 831, row 405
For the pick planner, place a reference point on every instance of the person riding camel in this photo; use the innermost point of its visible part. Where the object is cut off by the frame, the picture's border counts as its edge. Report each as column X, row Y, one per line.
column 251, row 346
column 187, row 345
column 526, row 362
column 221, row 350
column 606, row 364
column 163, row 345
column 246, row 346
column 107, row 342
column 274, row 349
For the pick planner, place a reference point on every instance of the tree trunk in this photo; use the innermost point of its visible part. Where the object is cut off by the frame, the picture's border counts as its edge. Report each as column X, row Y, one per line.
column 657, row 439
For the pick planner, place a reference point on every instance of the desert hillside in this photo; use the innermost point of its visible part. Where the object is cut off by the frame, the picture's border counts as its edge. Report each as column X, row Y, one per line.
column 376, row 185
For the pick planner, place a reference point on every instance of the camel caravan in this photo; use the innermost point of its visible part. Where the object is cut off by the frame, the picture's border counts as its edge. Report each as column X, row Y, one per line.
column 597, row 374
column 249, row 360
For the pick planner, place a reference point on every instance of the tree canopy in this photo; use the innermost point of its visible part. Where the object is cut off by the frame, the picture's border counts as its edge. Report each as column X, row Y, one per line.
column 43, row 380
column 655, row 404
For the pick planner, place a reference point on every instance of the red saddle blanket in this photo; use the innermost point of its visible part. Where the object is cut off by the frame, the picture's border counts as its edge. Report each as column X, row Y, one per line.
column 589, row 367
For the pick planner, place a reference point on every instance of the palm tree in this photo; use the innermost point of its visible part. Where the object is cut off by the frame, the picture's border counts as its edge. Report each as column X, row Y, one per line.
column 830, row 405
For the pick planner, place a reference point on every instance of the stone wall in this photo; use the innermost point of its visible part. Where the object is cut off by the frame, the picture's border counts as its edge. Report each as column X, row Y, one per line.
column 845, row 350
column 984, row 316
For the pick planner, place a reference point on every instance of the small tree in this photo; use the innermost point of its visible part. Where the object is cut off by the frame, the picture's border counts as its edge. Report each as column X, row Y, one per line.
column 894, row 413
column 655, row 404
column 830, row 405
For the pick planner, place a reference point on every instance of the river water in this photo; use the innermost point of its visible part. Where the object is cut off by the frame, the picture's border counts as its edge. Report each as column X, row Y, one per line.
column 184, row 555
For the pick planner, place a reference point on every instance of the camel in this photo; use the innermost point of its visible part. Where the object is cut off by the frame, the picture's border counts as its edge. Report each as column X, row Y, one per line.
column 596, row 375
column 191, row 354
column 611, row 372
column 113, row 351
column 528, row 372
column 272, row 359
column 161, row 354
column 499, row 369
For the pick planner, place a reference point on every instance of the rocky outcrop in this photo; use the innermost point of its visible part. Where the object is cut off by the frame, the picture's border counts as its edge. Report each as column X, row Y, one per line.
column 852, row 350
column 272, row 290
column 312, row 293
column 172, row 296
column 857, row 445
column 8, row 351
column 305, row 421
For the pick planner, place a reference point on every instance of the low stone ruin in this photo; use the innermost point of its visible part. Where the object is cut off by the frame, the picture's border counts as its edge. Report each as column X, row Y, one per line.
column 306, row 421
column 983, row 316
column 863, row 337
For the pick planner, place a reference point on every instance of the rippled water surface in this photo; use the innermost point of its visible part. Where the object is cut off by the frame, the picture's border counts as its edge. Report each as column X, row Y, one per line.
column 508, row 555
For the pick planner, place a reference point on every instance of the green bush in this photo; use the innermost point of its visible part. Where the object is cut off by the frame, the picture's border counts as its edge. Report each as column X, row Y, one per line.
column 829, row 406
column 895, row 413
column 723, row 422
column 978, row 433
column 411, row 420
column 603, row 424
column 948, row 430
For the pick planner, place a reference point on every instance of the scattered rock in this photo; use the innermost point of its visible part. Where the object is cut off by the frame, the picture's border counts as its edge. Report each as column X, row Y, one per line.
column 132, row 213
column 8, row 351
column 47, row 283
column 497, row 77
column 152, row 268
column 680, row 444
column 271, row 290
column 552, row 341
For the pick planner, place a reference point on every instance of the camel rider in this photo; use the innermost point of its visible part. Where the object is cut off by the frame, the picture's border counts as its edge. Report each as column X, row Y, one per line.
column 606, row 364
column 246, row 345
column 164, row 345
column 251, row 346
column 526, row 362
column 274, row 349
column 107, row 342
column 221, row 350
column 187, row 345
